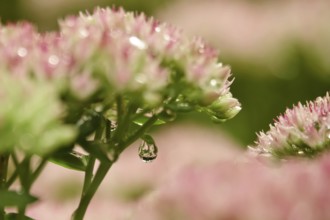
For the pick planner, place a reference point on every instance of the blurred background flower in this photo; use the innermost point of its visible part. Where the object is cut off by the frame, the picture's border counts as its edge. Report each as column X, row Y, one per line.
column 243, row 190
column 302, row 131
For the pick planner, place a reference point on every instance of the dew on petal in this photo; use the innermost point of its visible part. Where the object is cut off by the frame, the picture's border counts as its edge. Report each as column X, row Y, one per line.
column 137, row 42
column 167, row 37
column 214, row 83
column 219, row 65
column 328, row 132
column 157, row 29
column 22, row 52
column 141, row 78
column 53, row 60
column 83, row 33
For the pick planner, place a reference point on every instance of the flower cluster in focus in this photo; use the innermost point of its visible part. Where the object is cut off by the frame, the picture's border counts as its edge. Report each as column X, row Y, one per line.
column 303, row 130
column 149, row 61
column 95, row 58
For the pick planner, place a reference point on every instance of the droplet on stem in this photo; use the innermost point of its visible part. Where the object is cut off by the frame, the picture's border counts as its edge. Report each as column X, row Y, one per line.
column 148, row 149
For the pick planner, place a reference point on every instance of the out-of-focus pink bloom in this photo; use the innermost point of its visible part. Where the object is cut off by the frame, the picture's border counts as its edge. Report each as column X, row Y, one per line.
column 258, row 32
column 303, row 130
column 243, row 190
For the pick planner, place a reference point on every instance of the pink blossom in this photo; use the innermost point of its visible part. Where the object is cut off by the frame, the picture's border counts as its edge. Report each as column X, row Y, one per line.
column 243, row 190
column 119, row 52
column 303, row 130
column 129, row 50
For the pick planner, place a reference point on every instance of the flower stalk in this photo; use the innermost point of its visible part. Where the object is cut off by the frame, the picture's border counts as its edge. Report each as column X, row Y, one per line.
column 3, row 178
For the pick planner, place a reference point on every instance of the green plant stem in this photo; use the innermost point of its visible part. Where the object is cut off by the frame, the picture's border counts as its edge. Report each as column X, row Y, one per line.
column 12, row 179
column 90, row 190
column 91, row 162
column 125, row 120
column 3, row 178
column 138, row 133
column 89, row 173
column 24, row 173
column 3, row 170
column 38, row 170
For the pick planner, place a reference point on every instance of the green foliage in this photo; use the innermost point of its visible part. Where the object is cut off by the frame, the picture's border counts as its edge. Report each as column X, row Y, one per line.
column 10, row 198
column 29, row 115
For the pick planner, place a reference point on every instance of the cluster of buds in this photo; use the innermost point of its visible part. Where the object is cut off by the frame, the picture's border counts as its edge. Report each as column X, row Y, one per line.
column 94, row 58
column 303, row 130
column 146, row 60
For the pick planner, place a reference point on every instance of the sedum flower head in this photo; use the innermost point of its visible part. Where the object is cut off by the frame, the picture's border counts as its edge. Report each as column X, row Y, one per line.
column 144, row 59
column 121, row 53
column 303, row 130
column 30, row 116
column 93, row 59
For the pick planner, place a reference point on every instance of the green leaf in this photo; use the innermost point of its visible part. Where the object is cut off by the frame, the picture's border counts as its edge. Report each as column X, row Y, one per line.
column 15, row 216
column 97, row 149
column 88, row 123
column 71, row 159
column 143, row 119
column 16, row 199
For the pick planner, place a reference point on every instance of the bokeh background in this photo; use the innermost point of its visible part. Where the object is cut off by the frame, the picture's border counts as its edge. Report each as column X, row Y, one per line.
column 279, row 54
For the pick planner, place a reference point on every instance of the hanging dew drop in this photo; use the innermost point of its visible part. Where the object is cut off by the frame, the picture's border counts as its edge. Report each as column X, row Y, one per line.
column 328, row 132
column 148, row 150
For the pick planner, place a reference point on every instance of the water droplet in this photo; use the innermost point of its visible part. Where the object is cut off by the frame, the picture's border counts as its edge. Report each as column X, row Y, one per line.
column 148, row 151
column 53, row 60
column 167, row 115
column 83, row 33
column 219, row 65
column 215, row 83
column 137, row 42
column 141, row 78
column 328, row 131
column 167, row 37
column 157, row 29
column 22, row 52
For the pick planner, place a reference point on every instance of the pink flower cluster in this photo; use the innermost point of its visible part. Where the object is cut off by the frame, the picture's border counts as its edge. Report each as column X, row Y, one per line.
column 116, row 52
column 243, row 190
column 303, row 130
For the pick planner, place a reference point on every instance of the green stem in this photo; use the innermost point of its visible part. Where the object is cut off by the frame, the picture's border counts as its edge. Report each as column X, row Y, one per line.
column 89, row 173
column 125, row 120
column 14, row 175
column 38, row 170
column 24, row 172
column 139, row 132
column 12, row 179
column 3, row 170
column 91, row 190
column 3, row 178
column 91, row 162
column 89, row 181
